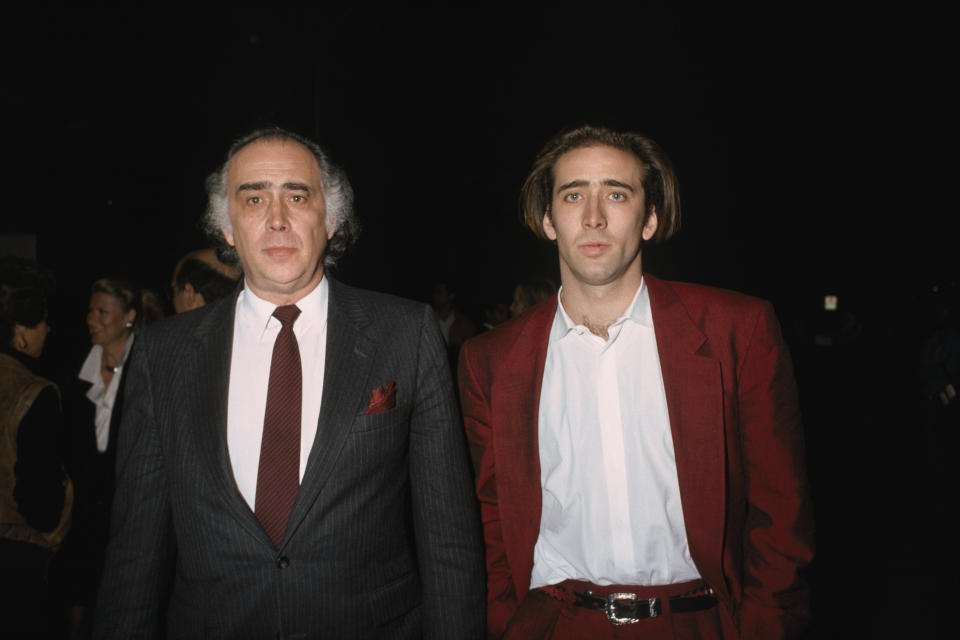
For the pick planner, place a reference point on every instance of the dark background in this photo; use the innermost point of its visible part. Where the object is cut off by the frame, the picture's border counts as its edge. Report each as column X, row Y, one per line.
column 814, row 147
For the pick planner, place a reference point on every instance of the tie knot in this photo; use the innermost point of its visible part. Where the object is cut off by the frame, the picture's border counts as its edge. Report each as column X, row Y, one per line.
column 286, row 314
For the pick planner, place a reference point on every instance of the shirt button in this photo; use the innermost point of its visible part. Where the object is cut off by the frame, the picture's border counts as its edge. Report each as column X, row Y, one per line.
column 283, row 562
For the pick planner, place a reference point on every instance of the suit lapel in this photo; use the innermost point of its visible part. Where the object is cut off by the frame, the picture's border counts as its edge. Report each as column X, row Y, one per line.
column 694, row 390
column 210, row 359
column 516, row 398
column 350, row 353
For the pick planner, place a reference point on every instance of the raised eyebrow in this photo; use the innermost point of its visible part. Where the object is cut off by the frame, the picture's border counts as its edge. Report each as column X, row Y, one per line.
column 253, row 186
column 571, row 185
column 616, row 183
column 610, row 182
column 260, row 186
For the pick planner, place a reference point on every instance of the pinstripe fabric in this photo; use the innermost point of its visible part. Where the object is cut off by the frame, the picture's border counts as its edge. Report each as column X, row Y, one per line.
column 278, row 475
column 384, row 537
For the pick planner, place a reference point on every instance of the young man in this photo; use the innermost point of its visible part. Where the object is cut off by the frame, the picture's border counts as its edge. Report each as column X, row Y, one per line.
column 637, row 443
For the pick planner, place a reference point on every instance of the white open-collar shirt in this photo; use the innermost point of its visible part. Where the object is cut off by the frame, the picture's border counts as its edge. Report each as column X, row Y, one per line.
column 611, row 497
column 103, row 396
column 254, row 333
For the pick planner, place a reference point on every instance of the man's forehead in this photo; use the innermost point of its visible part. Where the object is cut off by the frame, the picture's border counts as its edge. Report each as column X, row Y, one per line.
column 268, row 158
column 598, row 159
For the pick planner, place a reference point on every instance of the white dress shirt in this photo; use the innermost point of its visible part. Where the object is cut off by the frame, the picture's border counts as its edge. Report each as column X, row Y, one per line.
column 254, row 332
column 103, row 396
column 611, row 498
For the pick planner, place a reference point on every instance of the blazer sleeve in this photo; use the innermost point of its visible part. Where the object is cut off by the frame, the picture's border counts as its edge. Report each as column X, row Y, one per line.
column 132, row 597
column 39, row 486
column 778, row 533
column 475, row 402
column 445, row 518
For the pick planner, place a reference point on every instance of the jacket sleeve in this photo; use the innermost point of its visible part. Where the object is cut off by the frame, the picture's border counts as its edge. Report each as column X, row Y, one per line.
column 39, row 485
column 474, row 397
column 132, row 598
column 449, row 549
column 778, row 533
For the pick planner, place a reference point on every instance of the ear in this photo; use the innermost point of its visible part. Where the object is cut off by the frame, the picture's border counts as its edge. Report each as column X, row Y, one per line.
column 193, row 300
column 130, row 316
column 330, row 233
column 650, row 226
column 547, row 225
column 19, row 337
column 227, row 231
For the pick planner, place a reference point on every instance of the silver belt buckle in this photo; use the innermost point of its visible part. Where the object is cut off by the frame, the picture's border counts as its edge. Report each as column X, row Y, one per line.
column 611, row 609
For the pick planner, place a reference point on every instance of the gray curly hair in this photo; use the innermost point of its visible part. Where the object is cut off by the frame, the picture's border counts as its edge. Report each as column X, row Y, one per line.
column 337, row 194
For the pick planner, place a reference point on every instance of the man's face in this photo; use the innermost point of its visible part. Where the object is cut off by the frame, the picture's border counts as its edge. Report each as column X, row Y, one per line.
column 597, row 216
column 278, row 219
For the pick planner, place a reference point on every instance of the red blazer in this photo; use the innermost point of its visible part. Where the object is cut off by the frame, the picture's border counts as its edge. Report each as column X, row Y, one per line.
column 737, row 438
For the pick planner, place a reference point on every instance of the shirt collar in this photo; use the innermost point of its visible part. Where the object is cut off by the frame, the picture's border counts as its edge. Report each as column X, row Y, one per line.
column 257, row 313
column 638, row 312
column 90, row 371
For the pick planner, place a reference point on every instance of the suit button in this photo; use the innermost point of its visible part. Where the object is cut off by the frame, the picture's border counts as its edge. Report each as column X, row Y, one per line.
column 283, row 562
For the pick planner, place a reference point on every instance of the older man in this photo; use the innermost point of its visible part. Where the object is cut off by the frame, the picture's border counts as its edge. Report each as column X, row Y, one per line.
column 637, row 442
column 292, row 464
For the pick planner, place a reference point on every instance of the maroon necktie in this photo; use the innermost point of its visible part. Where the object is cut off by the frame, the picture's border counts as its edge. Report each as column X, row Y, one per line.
column 278, row 476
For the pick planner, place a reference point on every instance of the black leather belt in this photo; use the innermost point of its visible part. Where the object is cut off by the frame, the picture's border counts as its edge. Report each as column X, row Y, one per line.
column 627, row 608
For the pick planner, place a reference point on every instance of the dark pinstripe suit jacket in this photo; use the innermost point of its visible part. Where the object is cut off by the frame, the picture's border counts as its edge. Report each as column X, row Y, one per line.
column 384, row 538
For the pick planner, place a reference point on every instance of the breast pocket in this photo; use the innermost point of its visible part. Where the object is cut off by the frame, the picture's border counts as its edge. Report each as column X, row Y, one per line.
column 377, row 421
column 379, row 439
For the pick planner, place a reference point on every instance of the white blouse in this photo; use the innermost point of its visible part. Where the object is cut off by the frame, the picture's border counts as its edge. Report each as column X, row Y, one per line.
column 101, row 395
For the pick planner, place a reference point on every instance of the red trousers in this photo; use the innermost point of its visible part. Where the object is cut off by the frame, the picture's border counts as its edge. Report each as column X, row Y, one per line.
column 542, row 616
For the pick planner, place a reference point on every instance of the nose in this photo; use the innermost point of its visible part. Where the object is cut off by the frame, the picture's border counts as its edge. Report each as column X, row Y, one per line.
column 277, row 219
column 593, row 215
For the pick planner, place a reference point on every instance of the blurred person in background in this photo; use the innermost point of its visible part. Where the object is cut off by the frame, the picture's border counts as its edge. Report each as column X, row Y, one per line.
column 118, row 310
column 200, row 278
column 530, row 293
column 35, row 492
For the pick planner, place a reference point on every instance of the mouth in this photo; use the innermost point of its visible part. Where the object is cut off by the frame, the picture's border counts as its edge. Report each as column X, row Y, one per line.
column 593, row 248
column 279, row 252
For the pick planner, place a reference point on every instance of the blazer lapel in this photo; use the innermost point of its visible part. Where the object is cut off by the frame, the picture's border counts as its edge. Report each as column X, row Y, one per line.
column 694, row 390
column 516, row 398
column 349, row 357
column 210, row 359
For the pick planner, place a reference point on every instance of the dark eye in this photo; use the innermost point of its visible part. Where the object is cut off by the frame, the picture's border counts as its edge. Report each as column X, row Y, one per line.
column 254, row 200
column 298, row 198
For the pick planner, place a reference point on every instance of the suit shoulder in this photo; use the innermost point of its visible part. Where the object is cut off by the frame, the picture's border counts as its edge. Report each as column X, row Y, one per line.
column 700, row 297
column 175, row 327
column 375, row 302
column 503, row 336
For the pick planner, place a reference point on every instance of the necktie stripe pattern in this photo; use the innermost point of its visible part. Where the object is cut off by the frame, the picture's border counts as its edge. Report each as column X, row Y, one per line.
column 278, row 474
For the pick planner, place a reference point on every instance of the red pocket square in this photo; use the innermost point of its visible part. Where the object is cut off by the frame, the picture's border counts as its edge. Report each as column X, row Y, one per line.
column 383, row 399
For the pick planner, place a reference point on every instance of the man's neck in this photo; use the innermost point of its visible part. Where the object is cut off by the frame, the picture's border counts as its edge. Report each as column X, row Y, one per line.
column 281, row 297
column 598, row 306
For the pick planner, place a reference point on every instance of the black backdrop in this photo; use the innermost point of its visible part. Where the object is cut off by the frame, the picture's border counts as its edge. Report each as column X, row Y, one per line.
column 811, row 144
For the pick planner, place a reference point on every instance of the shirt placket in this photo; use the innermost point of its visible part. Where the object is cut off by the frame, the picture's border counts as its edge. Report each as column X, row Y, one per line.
column 614, row 457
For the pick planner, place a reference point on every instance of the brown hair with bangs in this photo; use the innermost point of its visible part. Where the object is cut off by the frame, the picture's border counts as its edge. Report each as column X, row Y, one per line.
column 659, row 179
